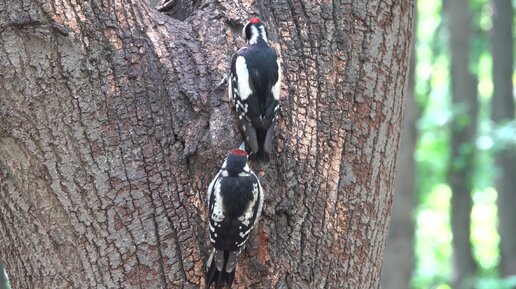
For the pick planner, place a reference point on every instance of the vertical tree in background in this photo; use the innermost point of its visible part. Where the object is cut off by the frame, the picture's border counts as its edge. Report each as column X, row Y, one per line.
column 463, row 132
column 502, row 47
column 399, row 252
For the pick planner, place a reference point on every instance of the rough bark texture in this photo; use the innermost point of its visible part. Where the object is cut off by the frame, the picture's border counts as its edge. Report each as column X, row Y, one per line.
column 503, row 110
column 111, row 130
column 463, row 132
column 399, row 251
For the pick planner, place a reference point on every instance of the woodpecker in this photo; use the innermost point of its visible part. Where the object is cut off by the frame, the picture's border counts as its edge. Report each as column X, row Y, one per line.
column 235, row 200
column 254, row 89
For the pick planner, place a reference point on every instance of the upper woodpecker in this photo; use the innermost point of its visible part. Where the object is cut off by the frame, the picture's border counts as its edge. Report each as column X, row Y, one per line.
column 235, row 200
column 254, row 89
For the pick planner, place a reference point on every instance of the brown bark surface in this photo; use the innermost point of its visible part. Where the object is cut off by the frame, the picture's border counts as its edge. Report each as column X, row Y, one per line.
column 502, row 46
column 111, row 130
column 463, row 135
column 399, row 250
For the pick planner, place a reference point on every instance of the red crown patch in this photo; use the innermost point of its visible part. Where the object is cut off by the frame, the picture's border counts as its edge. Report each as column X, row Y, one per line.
column 238, row 152
column 254, row 20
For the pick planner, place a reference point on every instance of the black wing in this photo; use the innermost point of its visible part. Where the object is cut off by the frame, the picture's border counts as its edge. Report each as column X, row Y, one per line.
column 241, row 203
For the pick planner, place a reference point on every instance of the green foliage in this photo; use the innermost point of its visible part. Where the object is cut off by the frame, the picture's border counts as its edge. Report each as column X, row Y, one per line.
column 433, row 250
column 504, row 135
column 496, row 283
column 480, row 11
column 484, row 236
column 432, row 93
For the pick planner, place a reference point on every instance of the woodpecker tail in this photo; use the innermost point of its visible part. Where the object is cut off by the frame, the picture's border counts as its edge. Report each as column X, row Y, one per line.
column 221, row 269
column 264, row 145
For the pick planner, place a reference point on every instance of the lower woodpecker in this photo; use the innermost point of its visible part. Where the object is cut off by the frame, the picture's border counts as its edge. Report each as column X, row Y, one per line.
column 235, row 200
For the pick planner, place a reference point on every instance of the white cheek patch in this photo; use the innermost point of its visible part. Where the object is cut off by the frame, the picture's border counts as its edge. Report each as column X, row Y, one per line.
column 263, row 34
column 244, row 174
column 243, row 78
column 254, row 35
column 243, row 30
column 276, row 88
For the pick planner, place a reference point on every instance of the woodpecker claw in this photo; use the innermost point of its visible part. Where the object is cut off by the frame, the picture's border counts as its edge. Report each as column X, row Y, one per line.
column 165, row 5
column 223, row 81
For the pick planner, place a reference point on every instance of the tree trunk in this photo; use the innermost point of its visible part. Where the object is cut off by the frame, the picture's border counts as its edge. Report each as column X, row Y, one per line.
column 399, row 251
column 503, row 110
column 463, row 132
column 111, row 130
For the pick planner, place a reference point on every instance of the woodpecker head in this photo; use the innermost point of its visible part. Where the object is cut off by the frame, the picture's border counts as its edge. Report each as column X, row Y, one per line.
column 236, row 162
column 254, row 31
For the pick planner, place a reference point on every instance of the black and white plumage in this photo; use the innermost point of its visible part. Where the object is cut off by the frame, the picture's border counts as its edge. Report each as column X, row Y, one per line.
column 235, row 200
column 254, row 89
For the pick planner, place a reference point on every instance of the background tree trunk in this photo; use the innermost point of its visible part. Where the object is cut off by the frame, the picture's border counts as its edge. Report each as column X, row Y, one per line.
column 111, row 130
column 502, row 48
column 463, row 135
column 399, row 251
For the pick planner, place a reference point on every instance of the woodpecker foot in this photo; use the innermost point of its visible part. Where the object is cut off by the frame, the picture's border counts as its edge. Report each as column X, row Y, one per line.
column 223, row 81
column 165, row 5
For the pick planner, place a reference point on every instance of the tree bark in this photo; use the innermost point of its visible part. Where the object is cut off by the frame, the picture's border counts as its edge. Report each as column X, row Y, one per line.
column 463, row 133
column 399, row 251
column 111, row 130
column 503, row 110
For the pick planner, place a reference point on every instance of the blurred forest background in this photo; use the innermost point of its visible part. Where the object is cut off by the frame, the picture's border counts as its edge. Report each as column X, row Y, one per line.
column 454, row 214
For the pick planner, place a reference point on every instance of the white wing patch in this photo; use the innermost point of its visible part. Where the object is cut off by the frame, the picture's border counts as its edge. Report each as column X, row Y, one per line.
column 260, row 204
column 210, row 188
column 217, row 214
column 276, row 88
column 243, row 78
column 244, row 234
column 246, row 218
